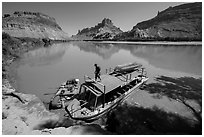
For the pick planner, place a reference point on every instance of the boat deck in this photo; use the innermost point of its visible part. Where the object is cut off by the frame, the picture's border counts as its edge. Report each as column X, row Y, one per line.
column 110, row 83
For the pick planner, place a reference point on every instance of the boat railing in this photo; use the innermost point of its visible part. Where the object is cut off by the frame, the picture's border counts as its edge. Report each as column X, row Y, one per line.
column 143, row 72
column 126, row 76
column 110, row 70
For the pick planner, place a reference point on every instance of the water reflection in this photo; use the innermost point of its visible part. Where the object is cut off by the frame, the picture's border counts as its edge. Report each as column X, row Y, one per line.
column 43, row 70
column 45, row 56
column 186, row 59
column 103, row 50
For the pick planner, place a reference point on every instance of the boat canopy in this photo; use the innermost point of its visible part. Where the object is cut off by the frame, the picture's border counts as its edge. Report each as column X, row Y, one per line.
column 108, row 82
column 112, row 80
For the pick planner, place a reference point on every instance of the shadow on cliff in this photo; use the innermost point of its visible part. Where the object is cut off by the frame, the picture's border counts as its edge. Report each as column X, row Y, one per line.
column 130, row 119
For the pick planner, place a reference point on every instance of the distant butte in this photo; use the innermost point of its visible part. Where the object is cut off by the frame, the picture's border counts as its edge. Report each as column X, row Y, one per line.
column 102, row 31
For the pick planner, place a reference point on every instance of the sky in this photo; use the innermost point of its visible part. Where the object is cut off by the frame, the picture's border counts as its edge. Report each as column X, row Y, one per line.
column 74, row 16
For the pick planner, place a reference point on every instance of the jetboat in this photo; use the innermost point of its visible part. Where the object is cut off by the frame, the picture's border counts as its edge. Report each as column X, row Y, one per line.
column 96, row 98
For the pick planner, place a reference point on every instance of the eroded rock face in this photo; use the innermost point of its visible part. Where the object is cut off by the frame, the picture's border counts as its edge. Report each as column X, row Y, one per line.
column 33, row 25
column 183, row 22
column 103, row 30
column 22, row 112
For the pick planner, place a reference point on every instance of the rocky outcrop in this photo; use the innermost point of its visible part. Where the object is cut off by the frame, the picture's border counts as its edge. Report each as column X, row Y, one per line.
column 183, row 22
column 91, row 129
column 33, row 25
column 22, row 113
column 102, row 31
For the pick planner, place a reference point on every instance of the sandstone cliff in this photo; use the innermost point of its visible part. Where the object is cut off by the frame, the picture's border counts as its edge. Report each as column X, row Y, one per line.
column 33, row 25
column 103, row 30
column 183, row 22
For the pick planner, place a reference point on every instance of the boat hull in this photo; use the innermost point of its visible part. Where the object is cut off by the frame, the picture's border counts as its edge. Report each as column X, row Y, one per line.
column 111, row 106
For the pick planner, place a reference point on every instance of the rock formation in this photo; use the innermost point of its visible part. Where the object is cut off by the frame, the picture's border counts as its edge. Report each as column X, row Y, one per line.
column 21, row 113
column 33, row 25
column 102, row 31
column 183, row 22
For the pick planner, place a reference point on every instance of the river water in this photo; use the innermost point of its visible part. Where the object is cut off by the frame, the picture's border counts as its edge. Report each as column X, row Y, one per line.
column 42, row 70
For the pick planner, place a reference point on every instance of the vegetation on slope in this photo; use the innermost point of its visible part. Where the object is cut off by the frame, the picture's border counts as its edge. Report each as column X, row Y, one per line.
column 179, row 23
column 32, row 24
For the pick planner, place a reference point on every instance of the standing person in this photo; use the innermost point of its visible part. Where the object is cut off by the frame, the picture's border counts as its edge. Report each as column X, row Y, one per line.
column 97, row 72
